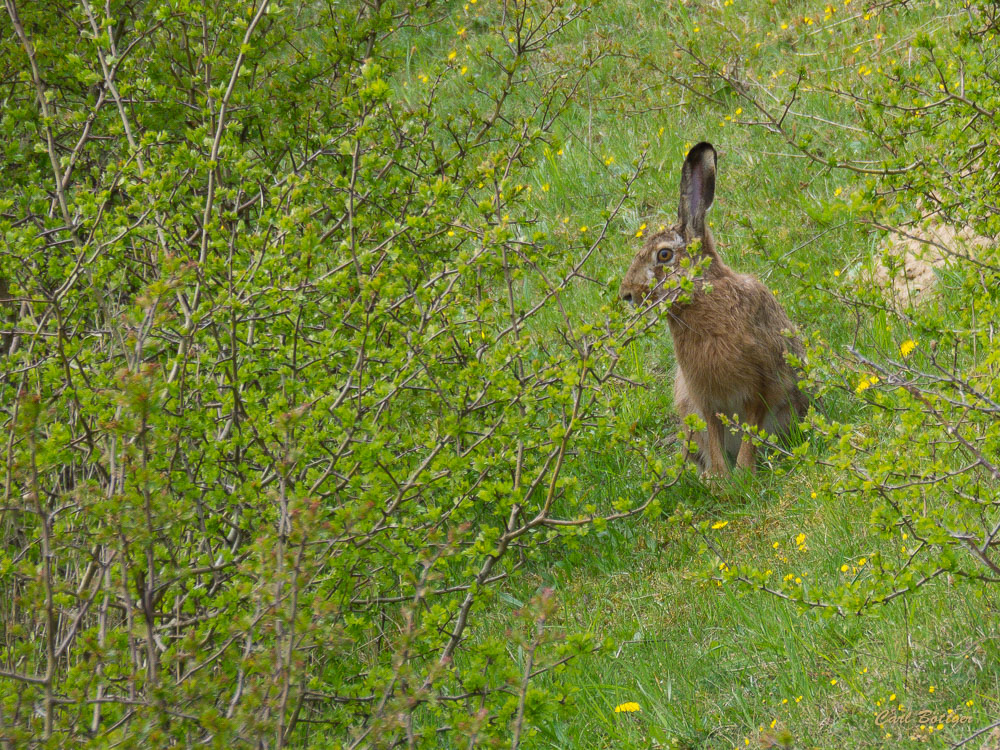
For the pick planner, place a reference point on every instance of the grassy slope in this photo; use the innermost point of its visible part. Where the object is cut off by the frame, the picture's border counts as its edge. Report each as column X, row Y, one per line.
column 713, row 667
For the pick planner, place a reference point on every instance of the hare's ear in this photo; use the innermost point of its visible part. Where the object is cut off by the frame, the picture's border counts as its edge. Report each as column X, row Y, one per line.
column 697, row 189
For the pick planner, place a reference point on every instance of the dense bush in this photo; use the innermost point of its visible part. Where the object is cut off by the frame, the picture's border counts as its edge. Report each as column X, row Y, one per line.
column 279, row 411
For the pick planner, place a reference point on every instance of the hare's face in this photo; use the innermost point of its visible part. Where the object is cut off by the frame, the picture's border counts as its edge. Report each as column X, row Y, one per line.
column 656, row 270
column 652, row 277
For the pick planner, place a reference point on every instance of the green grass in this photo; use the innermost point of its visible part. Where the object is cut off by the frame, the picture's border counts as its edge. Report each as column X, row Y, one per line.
column 717, row 666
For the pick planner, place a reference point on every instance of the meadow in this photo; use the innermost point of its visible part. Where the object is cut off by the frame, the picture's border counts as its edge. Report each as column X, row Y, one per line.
column 721, row 666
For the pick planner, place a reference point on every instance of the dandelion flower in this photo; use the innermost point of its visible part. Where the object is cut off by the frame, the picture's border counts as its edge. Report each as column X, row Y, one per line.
column 906, row 347
column 627, row 707
column 720, row 524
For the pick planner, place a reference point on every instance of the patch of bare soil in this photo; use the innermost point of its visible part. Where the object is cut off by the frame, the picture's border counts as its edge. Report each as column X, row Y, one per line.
column 906, row 272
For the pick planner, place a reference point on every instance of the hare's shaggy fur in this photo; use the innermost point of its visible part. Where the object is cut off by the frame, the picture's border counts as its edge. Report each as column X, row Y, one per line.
column 730, row 334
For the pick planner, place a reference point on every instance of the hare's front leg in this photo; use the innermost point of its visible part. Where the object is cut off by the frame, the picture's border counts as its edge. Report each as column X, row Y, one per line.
column 754, row 417
column 685, row 407
column 716, row 446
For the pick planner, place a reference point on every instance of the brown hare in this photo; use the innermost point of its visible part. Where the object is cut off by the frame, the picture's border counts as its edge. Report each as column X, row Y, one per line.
column 730, row 334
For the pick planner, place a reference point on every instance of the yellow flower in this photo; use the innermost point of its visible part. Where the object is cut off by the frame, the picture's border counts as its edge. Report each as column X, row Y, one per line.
column 452, row 55
column 833, row 682
column 583, row 229
column 609, row 160
column 844, row 568
column 784, row 26
column 627, row 707
column 798, row 699
column 862, row 561
column 640, row 230
column 461, row 31
column 930, row 689
column 892, row 697
column 545, row 187
column 838, row 191
column 464, row 70
column 812, row 495
column 775, row 545
column 907, row 346
column 866, row 383
column 800, row 540
column 720, row 524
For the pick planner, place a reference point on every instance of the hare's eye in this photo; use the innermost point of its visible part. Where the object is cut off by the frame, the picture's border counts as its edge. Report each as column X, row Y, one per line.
column 664, row 255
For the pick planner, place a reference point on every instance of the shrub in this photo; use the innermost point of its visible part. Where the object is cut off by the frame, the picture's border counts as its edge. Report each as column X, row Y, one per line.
column 289, row 387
